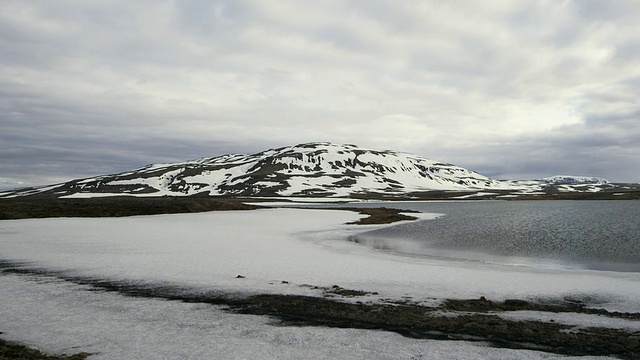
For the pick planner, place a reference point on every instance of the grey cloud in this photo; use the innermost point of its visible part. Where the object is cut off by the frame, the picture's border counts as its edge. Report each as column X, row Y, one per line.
column 516, row 90
column 601, row 10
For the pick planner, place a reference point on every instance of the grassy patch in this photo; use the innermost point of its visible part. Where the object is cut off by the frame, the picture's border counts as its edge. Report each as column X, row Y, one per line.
column 117, row 206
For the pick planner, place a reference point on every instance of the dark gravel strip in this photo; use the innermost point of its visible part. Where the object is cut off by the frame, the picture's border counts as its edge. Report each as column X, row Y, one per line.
column 14, row 351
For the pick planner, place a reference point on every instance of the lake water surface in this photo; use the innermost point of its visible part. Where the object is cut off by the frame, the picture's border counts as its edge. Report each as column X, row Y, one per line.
column 600, row 235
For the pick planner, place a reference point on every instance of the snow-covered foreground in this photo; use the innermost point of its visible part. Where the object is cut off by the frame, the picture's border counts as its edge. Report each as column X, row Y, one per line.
column 268, row 247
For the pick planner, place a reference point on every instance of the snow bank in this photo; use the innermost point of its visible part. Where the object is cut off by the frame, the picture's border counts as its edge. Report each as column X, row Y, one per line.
column 62, row 318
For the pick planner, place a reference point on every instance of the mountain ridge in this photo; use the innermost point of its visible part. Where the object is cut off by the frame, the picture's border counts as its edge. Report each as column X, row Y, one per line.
column 318, row 169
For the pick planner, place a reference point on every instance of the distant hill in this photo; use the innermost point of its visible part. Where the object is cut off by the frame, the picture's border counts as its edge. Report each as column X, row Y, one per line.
column 568, row 179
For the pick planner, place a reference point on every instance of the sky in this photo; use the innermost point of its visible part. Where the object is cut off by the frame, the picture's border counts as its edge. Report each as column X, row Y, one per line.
column 510, row 89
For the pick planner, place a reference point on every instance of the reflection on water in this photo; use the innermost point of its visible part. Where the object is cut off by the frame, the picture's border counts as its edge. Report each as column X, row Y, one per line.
column 603, row 235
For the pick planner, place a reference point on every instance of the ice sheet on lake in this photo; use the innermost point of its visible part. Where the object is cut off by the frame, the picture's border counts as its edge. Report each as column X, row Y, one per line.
column 272, row 245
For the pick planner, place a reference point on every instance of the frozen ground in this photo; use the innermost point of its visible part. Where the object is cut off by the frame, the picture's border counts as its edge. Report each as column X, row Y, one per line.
column 208, row 251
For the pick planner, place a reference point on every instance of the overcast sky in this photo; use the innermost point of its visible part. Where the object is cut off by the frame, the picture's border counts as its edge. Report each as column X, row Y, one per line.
column 511, row 89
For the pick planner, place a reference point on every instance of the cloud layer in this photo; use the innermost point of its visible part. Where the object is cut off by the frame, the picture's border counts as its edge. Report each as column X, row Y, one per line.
column 510, row 89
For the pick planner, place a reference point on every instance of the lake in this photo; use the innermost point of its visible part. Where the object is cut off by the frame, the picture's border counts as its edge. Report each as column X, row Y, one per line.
column 53, row 272
column 599, row 235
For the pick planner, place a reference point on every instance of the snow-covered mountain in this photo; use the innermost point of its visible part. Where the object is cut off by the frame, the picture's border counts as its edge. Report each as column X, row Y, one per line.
column 569, row 179
column 312, row 169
